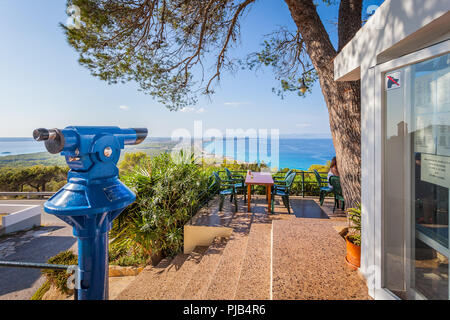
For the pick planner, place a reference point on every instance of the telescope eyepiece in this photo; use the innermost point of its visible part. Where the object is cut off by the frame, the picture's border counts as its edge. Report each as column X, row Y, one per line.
column 54, row 139
column 43, row 134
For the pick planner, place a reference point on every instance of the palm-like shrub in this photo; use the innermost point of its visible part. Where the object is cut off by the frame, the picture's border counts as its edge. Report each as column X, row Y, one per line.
column 169, row 192
column 354, row 229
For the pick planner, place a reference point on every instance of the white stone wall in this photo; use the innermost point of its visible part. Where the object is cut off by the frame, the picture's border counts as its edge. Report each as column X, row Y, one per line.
column 19, row 217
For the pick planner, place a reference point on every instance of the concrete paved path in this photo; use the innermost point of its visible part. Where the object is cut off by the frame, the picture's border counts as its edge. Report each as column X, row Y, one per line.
column 284, row 256
column 36, row 245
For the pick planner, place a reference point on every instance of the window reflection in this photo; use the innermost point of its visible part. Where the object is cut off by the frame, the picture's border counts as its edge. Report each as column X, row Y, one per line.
column 417, row 181
column 431, row 113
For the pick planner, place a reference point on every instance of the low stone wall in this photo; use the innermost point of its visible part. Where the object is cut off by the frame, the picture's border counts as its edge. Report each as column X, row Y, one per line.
column 17, row 217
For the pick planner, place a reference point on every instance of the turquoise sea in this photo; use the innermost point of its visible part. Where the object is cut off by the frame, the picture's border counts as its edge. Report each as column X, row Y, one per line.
column 294, row 153
column 15, row 146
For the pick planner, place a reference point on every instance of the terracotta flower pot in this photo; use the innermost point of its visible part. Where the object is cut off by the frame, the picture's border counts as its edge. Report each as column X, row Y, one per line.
column 353, row 257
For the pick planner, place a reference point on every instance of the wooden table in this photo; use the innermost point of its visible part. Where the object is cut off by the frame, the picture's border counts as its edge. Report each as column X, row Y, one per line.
column 259, row 178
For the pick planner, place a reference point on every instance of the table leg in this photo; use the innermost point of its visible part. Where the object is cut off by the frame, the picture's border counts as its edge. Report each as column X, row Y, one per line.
column 249, row 196
column 269, row 203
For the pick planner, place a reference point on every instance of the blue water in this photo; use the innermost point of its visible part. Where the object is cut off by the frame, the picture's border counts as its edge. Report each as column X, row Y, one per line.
column 293, row 153
column 14, row 146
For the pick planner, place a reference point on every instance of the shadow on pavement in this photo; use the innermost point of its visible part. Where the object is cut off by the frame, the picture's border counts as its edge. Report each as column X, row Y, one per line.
column 33, row 246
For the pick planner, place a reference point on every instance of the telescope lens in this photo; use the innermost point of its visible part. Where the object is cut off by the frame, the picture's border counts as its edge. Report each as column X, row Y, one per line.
column 141, row 134
column 41, row 134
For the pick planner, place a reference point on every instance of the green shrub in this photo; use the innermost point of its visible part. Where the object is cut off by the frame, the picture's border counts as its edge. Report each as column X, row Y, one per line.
column 169, row 192
column 238, row 166
column 39, row 294
column 354, row 229
column 131, row 160
column 59, row 278
column 122, row 257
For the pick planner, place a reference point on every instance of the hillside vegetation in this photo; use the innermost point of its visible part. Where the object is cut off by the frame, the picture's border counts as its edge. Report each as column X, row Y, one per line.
column 152, row 147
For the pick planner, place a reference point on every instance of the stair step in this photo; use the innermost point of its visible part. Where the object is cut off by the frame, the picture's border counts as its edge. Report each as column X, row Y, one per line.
column 177, row 279
column 226, row 277
column 150, row 276
column 254, row 282
column 199, row 282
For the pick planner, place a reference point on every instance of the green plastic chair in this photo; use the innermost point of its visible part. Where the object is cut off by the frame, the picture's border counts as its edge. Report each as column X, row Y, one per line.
column 239, row 182
column 225, row 188
column 335, row 182
column 283, row 191
column 209, row 193
column 279, row 179
column 324, row 191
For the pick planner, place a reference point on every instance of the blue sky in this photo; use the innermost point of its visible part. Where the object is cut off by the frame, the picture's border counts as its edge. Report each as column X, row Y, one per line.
column 42, row 84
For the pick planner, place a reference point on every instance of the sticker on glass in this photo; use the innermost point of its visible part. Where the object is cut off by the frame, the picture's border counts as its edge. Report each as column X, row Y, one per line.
column 393, row 81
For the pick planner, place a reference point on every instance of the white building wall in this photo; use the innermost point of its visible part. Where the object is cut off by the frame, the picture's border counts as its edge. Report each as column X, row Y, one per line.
column 393, row 24
column 368, row 178
column 398, row 28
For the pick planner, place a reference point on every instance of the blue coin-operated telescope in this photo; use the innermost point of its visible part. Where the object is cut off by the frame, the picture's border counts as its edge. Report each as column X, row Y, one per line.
column 93, row 196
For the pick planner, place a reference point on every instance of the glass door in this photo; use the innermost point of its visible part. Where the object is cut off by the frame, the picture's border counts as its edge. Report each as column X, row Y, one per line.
column 417, row 180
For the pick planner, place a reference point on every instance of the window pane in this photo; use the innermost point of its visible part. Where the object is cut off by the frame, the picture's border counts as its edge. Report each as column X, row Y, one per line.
column 431, row 163
column 417, row 180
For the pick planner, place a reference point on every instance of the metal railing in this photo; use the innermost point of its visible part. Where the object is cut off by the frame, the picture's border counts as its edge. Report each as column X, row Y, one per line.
column 310, row 181
column 33, row 265
column 27, row 194
column 301, row 181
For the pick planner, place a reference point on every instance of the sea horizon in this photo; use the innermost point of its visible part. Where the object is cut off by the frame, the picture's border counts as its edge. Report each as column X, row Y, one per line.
column 294, row 153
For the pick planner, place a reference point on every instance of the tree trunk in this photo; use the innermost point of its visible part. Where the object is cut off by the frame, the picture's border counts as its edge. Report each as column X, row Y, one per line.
column 349, row 20
column 343, row 99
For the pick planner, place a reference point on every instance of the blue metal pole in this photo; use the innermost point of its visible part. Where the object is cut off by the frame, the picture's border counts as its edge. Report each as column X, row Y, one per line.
column 93, row 257
column 93, row 267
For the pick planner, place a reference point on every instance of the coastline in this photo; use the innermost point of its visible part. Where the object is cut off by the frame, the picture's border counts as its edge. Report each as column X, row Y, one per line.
column 293, row 153
column 298, row 154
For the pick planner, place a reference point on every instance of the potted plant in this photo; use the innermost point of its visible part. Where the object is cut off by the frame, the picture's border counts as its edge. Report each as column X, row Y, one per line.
column 353, row 238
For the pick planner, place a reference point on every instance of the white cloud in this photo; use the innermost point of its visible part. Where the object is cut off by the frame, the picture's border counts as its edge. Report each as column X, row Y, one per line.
column 187, row 109
column 236, row 104
column 303, row 125
column 125, row 108
column 191, row 109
